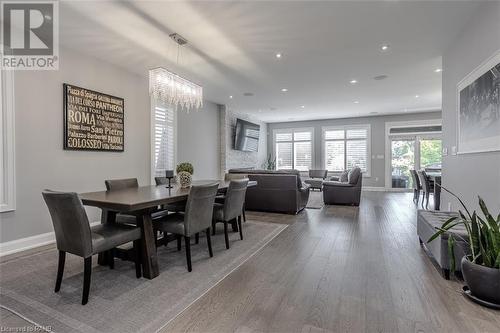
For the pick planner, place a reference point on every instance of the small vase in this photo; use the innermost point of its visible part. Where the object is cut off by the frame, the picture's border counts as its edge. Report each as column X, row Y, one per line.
column 185, row 179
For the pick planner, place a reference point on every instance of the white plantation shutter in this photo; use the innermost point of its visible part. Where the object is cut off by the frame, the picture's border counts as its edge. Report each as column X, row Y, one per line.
column 163, row 140
column 294, row 149
column 346, row 147
column 334, row 156
column 356, row 153
column 284, row 155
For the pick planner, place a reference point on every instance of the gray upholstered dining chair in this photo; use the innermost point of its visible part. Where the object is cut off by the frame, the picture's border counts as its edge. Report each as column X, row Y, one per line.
column 427, row 187
column 221, row 196
column 196, row 217
column 232, row 207
column 74, row 235
column 417, row 187
column 126, row 183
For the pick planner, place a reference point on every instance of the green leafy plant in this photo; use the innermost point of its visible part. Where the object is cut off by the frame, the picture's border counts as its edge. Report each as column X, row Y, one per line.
column 270, row 163
column 186, row 167
column 483, row 235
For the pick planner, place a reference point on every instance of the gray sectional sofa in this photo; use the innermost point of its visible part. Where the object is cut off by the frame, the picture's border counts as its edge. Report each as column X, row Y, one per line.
column 277, row 191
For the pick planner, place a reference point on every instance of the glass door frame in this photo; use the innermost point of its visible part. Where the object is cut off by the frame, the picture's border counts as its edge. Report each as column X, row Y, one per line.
column 417, row 136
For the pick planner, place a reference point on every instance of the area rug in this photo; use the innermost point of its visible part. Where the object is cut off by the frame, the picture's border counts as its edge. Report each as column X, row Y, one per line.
column 118, row 301
column 315, row 200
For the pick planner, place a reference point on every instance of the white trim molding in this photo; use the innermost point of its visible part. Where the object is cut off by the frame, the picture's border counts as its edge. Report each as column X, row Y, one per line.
column 7, row 144
column 29, row 243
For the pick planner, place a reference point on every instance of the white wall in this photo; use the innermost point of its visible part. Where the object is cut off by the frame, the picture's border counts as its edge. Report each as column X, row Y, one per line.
column 198, row 140
column 41, row 161
column 470, row 175
column 377, row 126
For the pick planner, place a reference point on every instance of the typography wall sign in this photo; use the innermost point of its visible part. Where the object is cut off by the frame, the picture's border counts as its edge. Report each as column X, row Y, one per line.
column 92, row 120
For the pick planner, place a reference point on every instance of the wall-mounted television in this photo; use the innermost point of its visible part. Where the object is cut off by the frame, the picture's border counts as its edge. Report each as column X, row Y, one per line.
column 246, row 136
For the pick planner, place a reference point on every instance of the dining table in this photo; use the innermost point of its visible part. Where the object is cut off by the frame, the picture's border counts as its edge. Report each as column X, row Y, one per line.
column 435, row 177
column 141, row 202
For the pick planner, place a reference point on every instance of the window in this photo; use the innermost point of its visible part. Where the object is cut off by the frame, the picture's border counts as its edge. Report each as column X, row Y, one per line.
column 294, row 149
column 163, row 140
column 346, row 147
column 7, row 156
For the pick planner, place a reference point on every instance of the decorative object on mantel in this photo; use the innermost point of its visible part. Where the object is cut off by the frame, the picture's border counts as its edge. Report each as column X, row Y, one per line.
column 169, row 174
column 478, row 103
column 185, row 174
column 171, row 89
column 481, row 266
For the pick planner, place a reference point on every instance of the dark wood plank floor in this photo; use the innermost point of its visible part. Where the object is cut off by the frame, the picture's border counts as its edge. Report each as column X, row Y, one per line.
column 339, row 269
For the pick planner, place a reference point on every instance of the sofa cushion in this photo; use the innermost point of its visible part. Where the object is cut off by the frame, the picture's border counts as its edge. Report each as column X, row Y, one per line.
column 343, row 176
column 353, row 175
column 270, row 172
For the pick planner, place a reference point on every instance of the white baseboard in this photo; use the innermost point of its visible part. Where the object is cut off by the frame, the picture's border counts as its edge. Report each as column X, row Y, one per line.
column 28, row 243
column 373, row 189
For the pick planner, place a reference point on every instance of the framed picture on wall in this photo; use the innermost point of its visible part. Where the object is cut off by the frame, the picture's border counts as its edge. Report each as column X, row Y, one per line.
column 478, row 104
column 92, row 120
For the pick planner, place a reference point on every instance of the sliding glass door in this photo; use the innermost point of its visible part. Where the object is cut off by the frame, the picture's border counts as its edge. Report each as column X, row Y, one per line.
column 402, row 161
column 413, row 152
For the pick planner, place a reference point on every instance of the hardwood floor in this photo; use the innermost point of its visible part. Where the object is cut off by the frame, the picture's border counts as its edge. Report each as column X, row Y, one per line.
column 339, row 269
column 336, row 269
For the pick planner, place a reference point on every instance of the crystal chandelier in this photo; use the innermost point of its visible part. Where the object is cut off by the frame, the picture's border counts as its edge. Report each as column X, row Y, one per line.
column 171, row 89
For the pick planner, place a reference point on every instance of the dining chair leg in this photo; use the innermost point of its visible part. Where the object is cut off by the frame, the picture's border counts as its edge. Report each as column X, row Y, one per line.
column 427, row 200
column 244, row 213
column 179, row 240
column 209, row 243
column 226, row 236
column 137, row 258
column 197, row 238
column 87, row 271
column 187, row 240
column 111, row 259
column 240, row 228
column 60, row 270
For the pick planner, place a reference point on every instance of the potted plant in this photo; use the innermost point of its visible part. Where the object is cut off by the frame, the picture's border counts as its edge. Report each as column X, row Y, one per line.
column 481, row 266
column 270, row 163
column 185, row 173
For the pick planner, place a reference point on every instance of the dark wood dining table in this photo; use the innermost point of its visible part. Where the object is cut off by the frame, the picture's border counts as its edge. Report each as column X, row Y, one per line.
column 142, row 202
column 435, row 176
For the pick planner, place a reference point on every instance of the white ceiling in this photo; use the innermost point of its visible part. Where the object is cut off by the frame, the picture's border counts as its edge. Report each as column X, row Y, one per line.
column 324, row 45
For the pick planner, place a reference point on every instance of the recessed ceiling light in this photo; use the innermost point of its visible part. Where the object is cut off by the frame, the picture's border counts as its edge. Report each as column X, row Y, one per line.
column 302, row 106
column 284, row 89
column 353, row 81
column 417, row 96
column 231, row 97
column 278, row 55
column 356, row 102
column 438, row 70
column 380, row 77
column 385, row 47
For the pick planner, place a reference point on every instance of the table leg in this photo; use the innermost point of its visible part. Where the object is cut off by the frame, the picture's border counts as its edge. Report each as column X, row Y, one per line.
column 437, row 193
column 149, row 259
column 107, row 216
